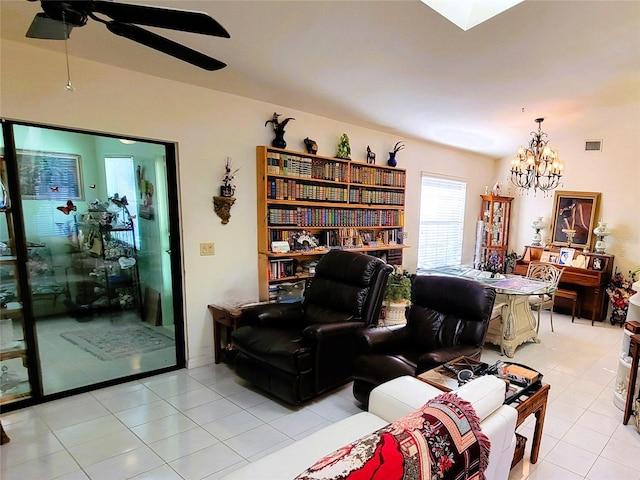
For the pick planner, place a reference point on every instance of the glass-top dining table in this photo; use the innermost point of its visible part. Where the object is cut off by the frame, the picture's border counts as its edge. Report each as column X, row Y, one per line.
column 518, row 324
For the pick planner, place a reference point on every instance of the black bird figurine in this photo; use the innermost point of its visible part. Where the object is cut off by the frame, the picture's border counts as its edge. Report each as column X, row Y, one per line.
column 278, row 128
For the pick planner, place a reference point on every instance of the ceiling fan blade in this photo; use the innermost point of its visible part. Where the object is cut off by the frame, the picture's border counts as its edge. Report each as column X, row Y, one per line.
column 165, row 45
column 184, row 20
column 46, row 28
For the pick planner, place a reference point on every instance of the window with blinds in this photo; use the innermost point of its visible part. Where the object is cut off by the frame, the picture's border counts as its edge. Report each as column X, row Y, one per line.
column 442, row 202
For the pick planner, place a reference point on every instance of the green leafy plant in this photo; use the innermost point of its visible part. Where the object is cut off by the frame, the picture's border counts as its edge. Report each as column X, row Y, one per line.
column 398, row 286
column 344, row 149
column 634, row 272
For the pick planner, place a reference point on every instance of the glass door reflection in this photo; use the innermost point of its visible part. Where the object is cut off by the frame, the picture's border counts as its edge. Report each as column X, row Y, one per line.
column 91, row 209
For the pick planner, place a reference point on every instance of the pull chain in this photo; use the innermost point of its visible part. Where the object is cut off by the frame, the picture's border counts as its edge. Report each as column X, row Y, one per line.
column 69, row 85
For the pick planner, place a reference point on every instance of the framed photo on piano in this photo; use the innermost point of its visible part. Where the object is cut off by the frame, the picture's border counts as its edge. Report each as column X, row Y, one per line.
column 597, row 264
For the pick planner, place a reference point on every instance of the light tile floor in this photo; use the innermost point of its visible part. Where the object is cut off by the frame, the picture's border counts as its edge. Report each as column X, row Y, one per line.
column 204, row 422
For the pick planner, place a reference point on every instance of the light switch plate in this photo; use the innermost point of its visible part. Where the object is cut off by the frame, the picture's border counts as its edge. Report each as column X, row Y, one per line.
column 207, row 249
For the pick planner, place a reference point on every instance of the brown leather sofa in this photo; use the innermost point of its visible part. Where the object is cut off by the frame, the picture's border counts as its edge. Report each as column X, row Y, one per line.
column 448, row 318
column 296, row 351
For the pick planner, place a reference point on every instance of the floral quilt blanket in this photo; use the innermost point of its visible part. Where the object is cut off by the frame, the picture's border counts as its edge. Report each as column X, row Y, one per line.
column 441, row 440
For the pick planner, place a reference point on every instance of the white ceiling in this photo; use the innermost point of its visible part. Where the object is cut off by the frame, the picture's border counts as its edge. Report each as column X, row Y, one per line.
column 398, row 66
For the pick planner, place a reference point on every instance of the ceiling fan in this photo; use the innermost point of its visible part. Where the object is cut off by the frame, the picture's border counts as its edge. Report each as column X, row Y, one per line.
column 59, row 17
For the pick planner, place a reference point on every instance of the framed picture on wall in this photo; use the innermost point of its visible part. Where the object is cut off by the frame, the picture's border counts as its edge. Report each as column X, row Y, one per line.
column 49, row 176
column 574, row 211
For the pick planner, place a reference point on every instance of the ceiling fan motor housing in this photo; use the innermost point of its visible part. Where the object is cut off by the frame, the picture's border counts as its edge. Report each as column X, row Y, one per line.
column 71, row 13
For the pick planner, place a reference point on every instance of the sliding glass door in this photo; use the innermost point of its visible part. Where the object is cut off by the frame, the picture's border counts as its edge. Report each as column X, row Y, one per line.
column 105, row 290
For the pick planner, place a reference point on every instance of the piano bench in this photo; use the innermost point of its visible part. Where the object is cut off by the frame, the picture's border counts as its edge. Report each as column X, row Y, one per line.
column 572, row 296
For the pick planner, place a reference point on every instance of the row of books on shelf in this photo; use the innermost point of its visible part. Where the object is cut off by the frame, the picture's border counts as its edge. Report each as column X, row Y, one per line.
column 280, row 189
column 306, row 167
column 334, row 217
column 357, row 195
column 281, row 268
column 376, row 176
column 288, row 267
column 323, row 169
column 338, row 238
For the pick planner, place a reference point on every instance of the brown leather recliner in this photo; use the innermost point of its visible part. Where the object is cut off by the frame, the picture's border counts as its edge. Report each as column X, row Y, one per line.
column 296, row 351
column 448, row 318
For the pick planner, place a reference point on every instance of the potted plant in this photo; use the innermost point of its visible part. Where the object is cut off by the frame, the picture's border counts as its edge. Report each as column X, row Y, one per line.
column 397, row 296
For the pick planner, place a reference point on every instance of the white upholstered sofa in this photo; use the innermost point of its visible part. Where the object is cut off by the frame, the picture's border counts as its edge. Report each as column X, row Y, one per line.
column 388, row 402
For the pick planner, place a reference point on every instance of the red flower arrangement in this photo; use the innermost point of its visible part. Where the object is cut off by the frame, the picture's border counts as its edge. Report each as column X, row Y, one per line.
column 619, row 291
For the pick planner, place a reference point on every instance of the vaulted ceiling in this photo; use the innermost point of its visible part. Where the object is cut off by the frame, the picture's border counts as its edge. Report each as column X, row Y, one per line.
column 399, row 66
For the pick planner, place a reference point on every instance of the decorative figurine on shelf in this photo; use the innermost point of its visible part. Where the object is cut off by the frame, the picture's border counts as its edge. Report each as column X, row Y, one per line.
column 371, row 156
column 497, row 188
column 227, row 189
column 311, row 145
column 537, row 225
column 344, row 149
column 278, row 129
column 392, row 162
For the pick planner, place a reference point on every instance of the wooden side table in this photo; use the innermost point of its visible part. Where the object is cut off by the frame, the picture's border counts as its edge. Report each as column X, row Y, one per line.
column 534, row 403
column 226, row 316
column 529, row 403
column 635, row 358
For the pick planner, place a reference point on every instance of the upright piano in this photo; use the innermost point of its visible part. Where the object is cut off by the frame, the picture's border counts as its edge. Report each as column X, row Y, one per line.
column 589, row 281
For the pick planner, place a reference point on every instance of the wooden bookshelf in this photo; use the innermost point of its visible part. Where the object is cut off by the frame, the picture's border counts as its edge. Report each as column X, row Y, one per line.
column 316, row 203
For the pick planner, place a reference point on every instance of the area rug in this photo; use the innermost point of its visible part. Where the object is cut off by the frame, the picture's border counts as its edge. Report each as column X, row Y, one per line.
column 119, row 341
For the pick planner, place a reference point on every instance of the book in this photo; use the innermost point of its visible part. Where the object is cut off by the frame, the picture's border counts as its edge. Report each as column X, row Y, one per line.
column 520, row 375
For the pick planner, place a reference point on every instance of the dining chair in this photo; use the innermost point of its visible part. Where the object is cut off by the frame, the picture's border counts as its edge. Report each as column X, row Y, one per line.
column 546, row 272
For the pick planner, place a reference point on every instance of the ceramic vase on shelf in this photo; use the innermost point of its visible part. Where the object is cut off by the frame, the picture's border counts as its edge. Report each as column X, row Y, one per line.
column 601, row 232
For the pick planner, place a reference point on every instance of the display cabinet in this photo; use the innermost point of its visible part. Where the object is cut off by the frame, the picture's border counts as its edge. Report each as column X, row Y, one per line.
column 495, row 214
column 14, row 372
column 309, row 204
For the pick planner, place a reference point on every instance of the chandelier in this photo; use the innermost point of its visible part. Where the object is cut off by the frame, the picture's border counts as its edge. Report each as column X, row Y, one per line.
column 536, row 166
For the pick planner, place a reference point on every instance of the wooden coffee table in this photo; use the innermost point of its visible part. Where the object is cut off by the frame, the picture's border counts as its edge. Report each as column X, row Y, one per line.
column 529, row 403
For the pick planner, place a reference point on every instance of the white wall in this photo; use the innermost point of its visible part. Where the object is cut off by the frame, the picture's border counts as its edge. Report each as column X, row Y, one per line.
column 614, row 172
column 208, row 126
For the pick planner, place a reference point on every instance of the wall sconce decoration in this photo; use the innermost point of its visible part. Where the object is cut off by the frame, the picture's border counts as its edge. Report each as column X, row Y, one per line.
column 222, row 207
column 228, row 189
column 222, row 204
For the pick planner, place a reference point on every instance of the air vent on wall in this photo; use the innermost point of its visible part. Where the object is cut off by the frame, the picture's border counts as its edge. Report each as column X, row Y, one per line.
column 593, row 145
